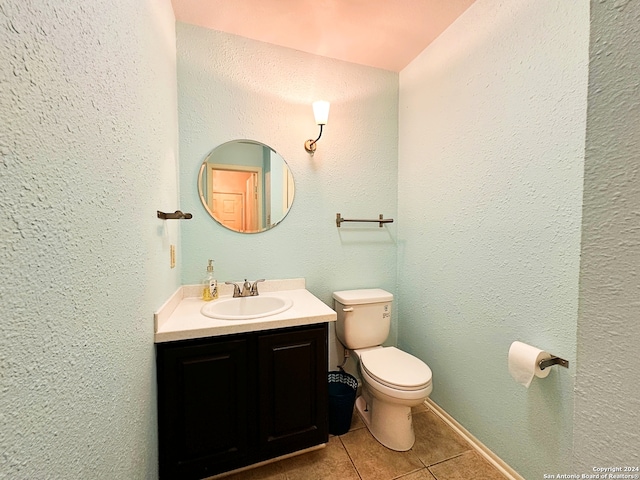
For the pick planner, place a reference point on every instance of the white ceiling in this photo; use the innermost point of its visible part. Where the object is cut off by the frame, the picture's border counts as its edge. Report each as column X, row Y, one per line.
column 385, row 34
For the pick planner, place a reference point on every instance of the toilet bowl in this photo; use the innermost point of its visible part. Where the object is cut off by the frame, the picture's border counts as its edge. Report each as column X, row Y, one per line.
column 393, row 382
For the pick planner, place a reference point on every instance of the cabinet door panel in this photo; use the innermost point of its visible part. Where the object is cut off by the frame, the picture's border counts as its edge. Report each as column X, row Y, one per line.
column 293, row 390
column 203, row 409
column 210, row 403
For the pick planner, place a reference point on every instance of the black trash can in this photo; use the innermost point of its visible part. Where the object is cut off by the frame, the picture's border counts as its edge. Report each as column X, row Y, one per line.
column 342, row 397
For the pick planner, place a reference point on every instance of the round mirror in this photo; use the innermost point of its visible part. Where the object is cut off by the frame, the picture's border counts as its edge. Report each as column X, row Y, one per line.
column 246, row 186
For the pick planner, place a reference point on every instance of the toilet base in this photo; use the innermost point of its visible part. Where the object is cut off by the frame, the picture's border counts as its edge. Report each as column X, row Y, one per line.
column 390, row 424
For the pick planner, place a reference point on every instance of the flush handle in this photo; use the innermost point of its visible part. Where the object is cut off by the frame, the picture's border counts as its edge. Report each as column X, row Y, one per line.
column 348, row 309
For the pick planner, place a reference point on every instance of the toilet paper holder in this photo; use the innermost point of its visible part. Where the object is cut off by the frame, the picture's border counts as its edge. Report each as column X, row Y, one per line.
column 553, row 360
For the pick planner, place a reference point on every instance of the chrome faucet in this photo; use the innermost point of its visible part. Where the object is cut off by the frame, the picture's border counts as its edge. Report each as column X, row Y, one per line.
column 248, row 289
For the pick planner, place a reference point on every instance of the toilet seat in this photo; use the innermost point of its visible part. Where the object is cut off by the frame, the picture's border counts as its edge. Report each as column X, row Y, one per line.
column 396, row 369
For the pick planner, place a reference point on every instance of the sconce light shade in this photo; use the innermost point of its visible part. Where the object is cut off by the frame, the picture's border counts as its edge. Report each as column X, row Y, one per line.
column 321, row 114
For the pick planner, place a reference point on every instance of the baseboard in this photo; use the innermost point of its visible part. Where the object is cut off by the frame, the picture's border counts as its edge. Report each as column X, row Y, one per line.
column 477, row 445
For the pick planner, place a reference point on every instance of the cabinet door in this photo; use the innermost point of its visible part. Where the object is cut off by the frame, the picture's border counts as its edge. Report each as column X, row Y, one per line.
column 293, row 390
column 204, row 420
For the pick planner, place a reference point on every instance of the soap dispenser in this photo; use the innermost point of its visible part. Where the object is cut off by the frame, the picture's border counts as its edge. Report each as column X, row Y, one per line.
column 209, row 285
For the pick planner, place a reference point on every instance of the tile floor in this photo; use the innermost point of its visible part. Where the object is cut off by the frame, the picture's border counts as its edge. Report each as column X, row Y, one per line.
column 438, row 454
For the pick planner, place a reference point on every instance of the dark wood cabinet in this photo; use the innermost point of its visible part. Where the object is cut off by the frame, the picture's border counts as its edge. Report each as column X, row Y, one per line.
column 293, row 390
column 231, row 401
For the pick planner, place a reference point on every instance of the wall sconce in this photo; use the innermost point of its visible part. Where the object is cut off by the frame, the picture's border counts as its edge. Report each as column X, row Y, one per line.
column 321, row 113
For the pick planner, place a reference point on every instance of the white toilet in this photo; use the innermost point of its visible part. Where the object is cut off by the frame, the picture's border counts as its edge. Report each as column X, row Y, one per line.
column 393, row 381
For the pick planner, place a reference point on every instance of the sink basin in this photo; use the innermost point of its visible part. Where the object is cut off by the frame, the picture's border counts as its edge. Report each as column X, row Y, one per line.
column 245, row 308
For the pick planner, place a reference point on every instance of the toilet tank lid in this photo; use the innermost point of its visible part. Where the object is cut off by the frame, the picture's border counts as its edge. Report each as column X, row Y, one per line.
column 362, row 296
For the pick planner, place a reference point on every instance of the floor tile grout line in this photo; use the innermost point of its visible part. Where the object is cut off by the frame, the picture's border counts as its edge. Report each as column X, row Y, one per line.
column 446, row 460
column 350, row 459
column 450, row 458
column 400, row 477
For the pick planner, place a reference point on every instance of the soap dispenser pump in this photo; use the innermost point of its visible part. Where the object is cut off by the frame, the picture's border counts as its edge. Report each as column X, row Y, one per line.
column 209, row 285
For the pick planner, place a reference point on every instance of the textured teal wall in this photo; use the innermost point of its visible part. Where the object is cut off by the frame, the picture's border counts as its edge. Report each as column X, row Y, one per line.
column 87, row 155
column 607, row 408
column 491, row 158
column 234, row 88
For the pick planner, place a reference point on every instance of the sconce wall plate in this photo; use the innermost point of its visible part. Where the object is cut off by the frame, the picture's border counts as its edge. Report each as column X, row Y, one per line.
column 310, row 146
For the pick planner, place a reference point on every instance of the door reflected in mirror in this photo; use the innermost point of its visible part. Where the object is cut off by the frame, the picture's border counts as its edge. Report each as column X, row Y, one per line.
column 246, row 186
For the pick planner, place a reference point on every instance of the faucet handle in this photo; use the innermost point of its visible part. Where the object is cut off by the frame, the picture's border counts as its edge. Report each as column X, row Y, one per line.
column 254, row 287
column 236, row 289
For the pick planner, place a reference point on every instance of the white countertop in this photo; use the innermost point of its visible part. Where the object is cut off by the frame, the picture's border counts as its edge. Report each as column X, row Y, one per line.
column 180, row 318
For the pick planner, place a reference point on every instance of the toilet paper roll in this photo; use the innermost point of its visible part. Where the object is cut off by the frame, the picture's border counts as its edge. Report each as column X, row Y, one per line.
column 523, row 363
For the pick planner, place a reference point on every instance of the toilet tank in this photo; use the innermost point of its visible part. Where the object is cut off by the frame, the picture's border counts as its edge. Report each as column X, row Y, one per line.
column 364, row 317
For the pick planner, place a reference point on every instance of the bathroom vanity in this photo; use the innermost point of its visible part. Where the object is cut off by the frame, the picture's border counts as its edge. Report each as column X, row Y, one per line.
column 232, row 393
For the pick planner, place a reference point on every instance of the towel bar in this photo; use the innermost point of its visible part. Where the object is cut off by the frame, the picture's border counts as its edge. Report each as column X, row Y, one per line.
column 381, row 220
